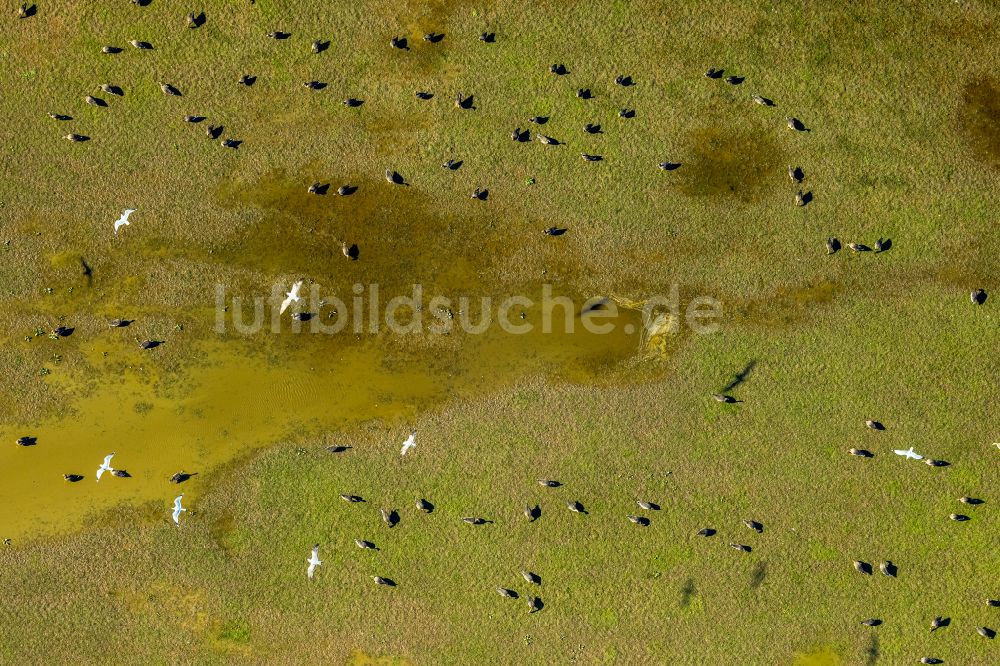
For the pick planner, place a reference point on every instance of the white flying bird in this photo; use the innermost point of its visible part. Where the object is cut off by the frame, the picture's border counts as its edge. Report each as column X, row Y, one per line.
column 123, row 220
column 908, row 454
column 313, row 561
column 292, row 297
column 410, row 442
column 105, row 466
column 177, row 509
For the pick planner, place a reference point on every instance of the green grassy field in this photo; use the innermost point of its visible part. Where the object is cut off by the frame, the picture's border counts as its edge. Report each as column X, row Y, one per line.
column 903, row 106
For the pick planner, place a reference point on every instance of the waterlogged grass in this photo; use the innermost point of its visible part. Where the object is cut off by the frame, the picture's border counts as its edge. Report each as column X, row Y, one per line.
column 831, row 341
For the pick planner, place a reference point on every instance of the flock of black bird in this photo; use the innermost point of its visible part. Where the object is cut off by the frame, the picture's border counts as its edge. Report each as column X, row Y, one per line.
column 466, row 102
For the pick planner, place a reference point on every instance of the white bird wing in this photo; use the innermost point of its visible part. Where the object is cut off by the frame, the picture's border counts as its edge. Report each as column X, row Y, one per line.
column 177, row 515
column 292, row 297
column 107, row 460
column 410, row 442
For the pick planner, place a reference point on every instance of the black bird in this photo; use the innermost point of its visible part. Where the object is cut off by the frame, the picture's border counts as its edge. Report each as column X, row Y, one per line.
column 278, row 34
column 874, row 425
column 972, row 501
column 346, row 190
column 141, row 45
column 111, row 50
column 863, row 567
column 247, row 80
column 95, row 101
column 705, row 532
column 930, row 660
column 718, row 397
column 73, row 478
column 399, row 43
column 423, row 95
column 451, row 165
column 181, row 477
column 535, row 604
column 548, row 483
column 318, row 188
column 504, row 592
column 26, row 11
column 120, row 323
column 150, row 344
column 121, row 473
column 639, row 520
column 796, row 124
column 391, row 518
column 519, row 136
column 481, row 194
column 195, row 20
column 584, row 93
column 958, row 517
column 938, row 622
column 832, row 245
column 424, row 505
column 554, row 231
column 986, row 632
column 591, row 158
column 743, row 548
column 319, row 46
column 713, row 73
column 575, row 507
column 669, row 166
column 394, row 177
column 888, row 569
column 388, row 582
column 648, row 506
column 60, row 116
column 623, row 80
column 763, row 101
column 433, row 37
column 754, row 525
column 532, row 578
column 464, row 102
column 367, row 545
column 314, row 85
column 352, row 102
column 214, row 131
column 112, row 90
column 861, row 453
column 231, row 143
column 532, row 513
column 77, row 138
column 337, row 448
column 488, row 37
column 626, row 113
column 353, row 499
column 558, row 70
column 795, row 174
column 193, row 119
column 170, row 90
column 734, row 80
column 993, row 603
column 978, row 297
column 538, row 120
column 27, row 441
column 591, row 128
column 547, row 140
column 872, row 622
